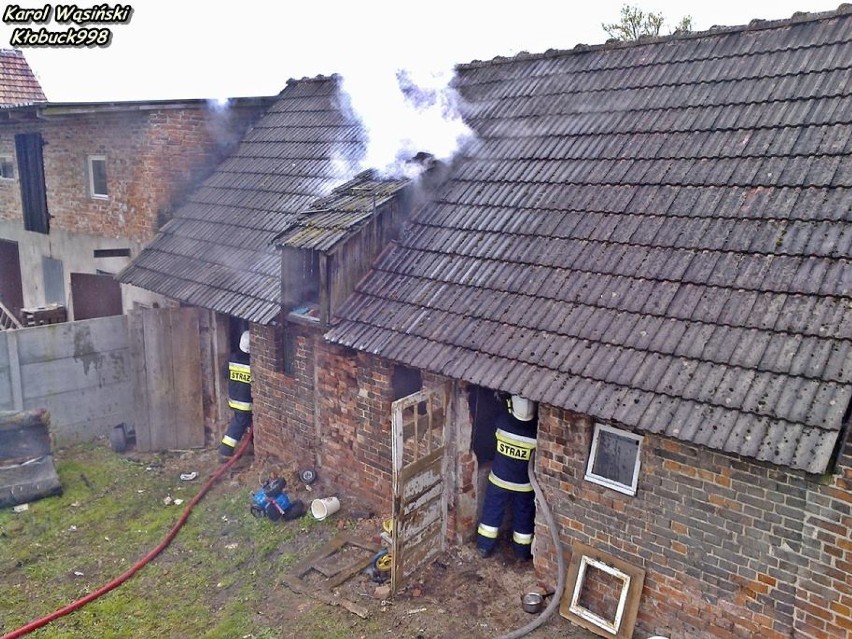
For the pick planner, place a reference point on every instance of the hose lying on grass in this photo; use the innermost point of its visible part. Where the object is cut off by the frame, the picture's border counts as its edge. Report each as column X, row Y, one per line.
column 38, row 623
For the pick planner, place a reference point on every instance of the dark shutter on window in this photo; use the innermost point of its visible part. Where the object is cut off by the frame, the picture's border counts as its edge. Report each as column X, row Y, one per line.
column 28, row 147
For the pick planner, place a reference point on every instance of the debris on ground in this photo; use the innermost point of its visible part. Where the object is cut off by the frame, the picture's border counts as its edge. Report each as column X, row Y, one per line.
column 27, row 471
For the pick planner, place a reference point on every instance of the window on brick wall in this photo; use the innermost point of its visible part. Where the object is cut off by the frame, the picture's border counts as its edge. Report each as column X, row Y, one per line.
column 7, row 168
column 614, row 459
column 98, row 177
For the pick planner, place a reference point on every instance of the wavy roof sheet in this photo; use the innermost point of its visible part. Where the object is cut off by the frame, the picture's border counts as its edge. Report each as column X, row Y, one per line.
column 655, row 234
column 218, row 252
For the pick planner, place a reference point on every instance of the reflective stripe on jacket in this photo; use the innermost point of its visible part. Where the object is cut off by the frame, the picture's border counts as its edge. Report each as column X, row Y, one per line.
column 239, row 382
column 515, row 442
column 514, row 445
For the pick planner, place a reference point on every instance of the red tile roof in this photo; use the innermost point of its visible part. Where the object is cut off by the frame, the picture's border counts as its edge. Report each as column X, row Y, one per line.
column 18, row 84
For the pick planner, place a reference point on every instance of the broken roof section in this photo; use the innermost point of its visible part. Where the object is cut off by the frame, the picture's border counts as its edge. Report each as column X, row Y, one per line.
column 217, row 252
column 331, row 219
column 656, row 234
column 18, row 84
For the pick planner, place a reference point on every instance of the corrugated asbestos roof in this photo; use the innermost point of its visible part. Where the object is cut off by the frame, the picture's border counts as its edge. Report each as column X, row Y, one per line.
column 217, row 252
column 656, row 234
column 18, row 84
column 337, row 216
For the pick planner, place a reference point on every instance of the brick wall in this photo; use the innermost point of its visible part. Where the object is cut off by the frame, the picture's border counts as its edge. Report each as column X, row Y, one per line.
column 824, row 594
column 337, row 420
column 731, row 547
column 182, row 147
column 154, row 157
column 283, row 407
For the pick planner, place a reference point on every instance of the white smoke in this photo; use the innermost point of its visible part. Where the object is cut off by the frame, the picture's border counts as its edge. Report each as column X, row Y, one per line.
column 403, row 113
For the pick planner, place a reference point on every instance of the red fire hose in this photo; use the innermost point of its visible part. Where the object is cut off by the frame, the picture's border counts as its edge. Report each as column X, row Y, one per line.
column 38, row 623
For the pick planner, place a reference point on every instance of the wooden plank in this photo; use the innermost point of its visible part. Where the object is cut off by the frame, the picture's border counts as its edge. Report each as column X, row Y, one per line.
column 6, row 401
column 419, row 502
column 422, row 500
column 139, row 380
column 329, row 549
column 424, row 534
column 188, row 420
column 324, row 293
column 420, row 550
column 322, row 590
column 424, row 464
column 171, row 367
column 160, row 377
column 326, row 597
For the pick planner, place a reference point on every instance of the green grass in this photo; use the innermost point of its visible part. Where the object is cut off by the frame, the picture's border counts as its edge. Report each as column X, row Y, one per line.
column 213, row 581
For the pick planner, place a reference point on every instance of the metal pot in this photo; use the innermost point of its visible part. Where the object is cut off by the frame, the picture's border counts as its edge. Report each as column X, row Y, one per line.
column 532, row 602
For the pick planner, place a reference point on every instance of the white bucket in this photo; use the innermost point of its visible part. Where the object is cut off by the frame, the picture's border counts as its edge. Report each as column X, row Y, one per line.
column 324, row 506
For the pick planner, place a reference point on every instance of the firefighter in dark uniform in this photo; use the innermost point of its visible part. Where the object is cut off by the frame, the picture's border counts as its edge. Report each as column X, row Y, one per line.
column 239, row 396
column 509, row 480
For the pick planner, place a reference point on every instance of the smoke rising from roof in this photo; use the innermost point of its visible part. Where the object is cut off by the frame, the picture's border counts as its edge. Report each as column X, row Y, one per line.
column 403, row 113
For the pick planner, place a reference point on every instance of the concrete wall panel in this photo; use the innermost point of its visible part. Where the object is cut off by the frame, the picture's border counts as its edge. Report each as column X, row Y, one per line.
column 79, row 371
column 85, row 340
column 6, row 402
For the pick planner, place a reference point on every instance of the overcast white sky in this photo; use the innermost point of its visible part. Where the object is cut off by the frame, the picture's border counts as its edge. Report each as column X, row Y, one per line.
column 204, row 49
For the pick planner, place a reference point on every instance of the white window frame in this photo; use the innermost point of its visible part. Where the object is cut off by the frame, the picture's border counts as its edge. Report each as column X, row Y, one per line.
column 92, row 193
column 605, row 481
column 11, row 162
column 614, row 625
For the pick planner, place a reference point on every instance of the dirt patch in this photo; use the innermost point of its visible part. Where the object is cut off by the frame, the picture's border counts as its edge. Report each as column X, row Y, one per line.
column 459, row 595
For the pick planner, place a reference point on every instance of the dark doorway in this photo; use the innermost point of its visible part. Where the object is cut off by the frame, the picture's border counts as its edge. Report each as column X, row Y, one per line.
column 236, row 326
column 405, row 381
column 484, row 408
column 95, row 295
column 11, row 286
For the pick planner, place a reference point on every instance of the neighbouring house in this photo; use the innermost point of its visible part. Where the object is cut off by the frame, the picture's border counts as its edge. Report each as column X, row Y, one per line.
column 84, row 186
column 649, row 239
column 18, row 85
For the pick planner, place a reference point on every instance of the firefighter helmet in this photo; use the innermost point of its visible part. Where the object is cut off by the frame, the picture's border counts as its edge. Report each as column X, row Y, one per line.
column 521, row 408
column 244, row 342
